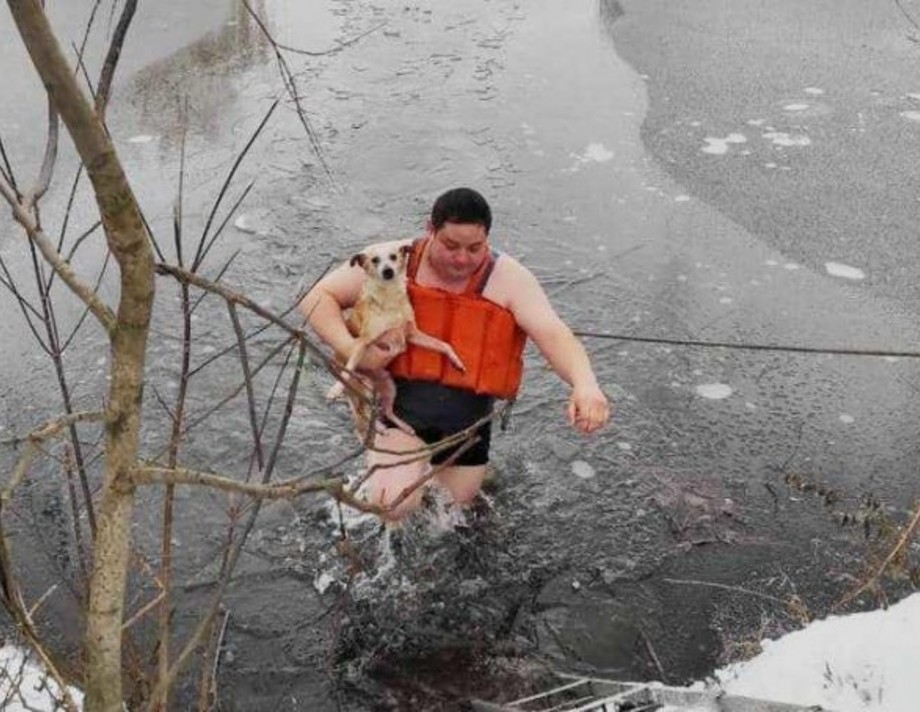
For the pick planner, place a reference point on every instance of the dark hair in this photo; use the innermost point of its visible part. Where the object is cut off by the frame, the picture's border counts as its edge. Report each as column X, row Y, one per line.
column 461, row 205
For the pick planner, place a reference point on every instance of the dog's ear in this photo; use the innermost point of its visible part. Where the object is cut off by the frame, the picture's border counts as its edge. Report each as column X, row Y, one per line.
column 358, row 260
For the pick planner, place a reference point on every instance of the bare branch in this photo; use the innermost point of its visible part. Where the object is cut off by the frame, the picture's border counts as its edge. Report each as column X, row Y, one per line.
column 247, row 379
column 340, row 44
column 196, row 262
column 25, row 306
column 7, row 171
column 86, row 311
column 53, row 427
column 289, row 84
column 223, row 224
column 100, row 310
column 34, row 439
column 111, row 58
column 47, row 169
column 907, row 535
column 149, row 606
column 220, row 273
column 244, row 301
column 428, row 476
column 287, row 489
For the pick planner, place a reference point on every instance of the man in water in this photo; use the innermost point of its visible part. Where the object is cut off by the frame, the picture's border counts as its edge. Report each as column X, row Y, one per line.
column 484, row 304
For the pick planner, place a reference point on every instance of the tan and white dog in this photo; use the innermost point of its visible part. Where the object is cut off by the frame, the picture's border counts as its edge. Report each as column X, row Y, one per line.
column 383, row 310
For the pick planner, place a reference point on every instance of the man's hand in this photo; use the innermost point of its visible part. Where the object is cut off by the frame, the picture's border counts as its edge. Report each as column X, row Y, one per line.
column 588, row 409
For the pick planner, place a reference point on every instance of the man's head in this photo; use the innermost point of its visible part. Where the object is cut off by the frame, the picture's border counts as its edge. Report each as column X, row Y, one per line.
column 463, row 206
column 459, row 231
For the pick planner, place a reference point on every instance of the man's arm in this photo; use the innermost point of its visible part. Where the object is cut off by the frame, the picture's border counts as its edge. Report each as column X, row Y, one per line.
column 324, row 304
column 588, row 407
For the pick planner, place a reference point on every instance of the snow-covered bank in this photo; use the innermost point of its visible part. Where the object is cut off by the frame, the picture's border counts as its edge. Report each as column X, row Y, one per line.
column 862, row 662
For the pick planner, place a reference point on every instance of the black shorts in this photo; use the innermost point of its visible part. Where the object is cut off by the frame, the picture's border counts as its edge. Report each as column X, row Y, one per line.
column 436, row 411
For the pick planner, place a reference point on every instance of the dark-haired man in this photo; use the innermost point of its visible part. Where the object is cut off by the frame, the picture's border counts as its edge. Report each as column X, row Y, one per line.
column 485, row 305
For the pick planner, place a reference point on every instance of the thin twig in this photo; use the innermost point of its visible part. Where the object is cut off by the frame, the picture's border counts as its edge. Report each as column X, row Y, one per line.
column 112, row 56
column 33, row 442
column 725, row 587
column 101, row 311
column 7, row 173
column 247, row 380
column 340, row 44
column 906, row 536
column 286, row 489
column 47, row 169
column 196, row 262
column 244, row 301
column 223, row 224
column 288, row 78
column 149, row 606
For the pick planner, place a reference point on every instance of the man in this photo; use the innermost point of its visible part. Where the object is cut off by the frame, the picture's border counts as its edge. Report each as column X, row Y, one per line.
column 485, row 305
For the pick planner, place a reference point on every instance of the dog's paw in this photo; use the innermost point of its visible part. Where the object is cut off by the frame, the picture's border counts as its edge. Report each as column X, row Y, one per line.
column 337, row 390
column 454, row 359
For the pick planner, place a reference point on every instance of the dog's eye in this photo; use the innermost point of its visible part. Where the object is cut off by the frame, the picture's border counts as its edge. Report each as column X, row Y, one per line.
column 393, row 258
column 375, row 260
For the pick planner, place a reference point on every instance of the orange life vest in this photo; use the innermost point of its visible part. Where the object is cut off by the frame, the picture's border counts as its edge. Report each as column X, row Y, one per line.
column 484, row 335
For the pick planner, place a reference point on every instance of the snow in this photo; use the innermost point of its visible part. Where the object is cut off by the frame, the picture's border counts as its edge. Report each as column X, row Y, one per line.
column 862, row 662
column 837, row 269
column 582, row 469
column 24, row 686
column 714, row 391
column 719, row 146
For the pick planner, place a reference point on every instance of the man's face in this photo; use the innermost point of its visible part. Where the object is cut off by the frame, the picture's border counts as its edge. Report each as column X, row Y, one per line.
column 457, row 249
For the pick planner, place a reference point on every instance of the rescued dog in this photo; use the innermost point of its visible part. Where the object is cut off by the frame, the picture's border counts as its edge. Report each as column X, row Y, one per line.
column 384, row 310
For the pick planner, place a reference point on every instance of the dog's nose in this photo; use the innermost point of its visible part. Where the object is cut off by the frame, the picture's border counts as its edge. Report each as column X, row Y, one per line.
column 388, row 273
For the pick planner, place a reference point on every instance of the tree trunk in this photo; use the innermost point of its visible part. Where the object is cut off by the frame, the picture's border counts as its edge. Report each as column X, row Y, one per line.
column 128, row 241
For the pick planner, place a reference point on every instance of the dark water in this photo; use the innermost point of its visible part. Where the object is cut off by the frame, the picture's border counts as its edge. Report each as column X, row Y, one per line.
column 572, row 566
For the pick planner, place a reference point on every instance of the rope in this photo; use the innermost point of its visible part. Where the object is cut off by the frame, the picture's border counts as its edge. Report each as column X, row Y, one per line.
column 747, row 347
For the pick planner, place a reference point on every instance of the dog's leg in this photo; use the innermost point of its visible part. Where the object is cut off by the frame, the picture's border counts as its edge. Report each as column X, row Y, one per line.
column 386, row 392
column 338, row 388
column 420, row 338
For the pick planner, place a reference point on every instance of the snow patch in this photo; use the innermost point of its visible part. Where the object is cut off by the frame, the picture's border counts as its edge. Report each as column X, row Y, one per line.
column 719, row 146
column 583, row 470
column 597, row 153
column 714, row 391
column 837, row 269
column 786, row 140
column 25, row 686
column 322, row 582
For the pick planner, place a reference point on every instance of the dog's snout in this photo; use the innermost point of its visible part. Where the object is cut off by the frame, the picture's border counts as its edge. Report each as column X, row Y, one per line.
column 387, row 273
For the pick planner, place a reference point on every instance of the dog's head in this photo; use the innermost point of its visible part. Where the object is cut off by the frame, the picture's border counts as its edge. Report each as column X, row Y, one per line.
column 383, row 262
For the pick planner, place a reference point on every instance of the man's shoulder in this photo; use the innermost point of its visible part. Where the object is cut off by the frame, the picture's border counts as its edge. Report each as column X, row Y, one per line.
column 508, row 269
column 509, row 281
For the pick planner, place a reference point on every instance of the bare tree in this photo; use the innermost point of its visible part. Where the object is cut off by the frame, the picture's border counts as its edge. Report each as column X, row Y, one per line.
column 105, row 552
